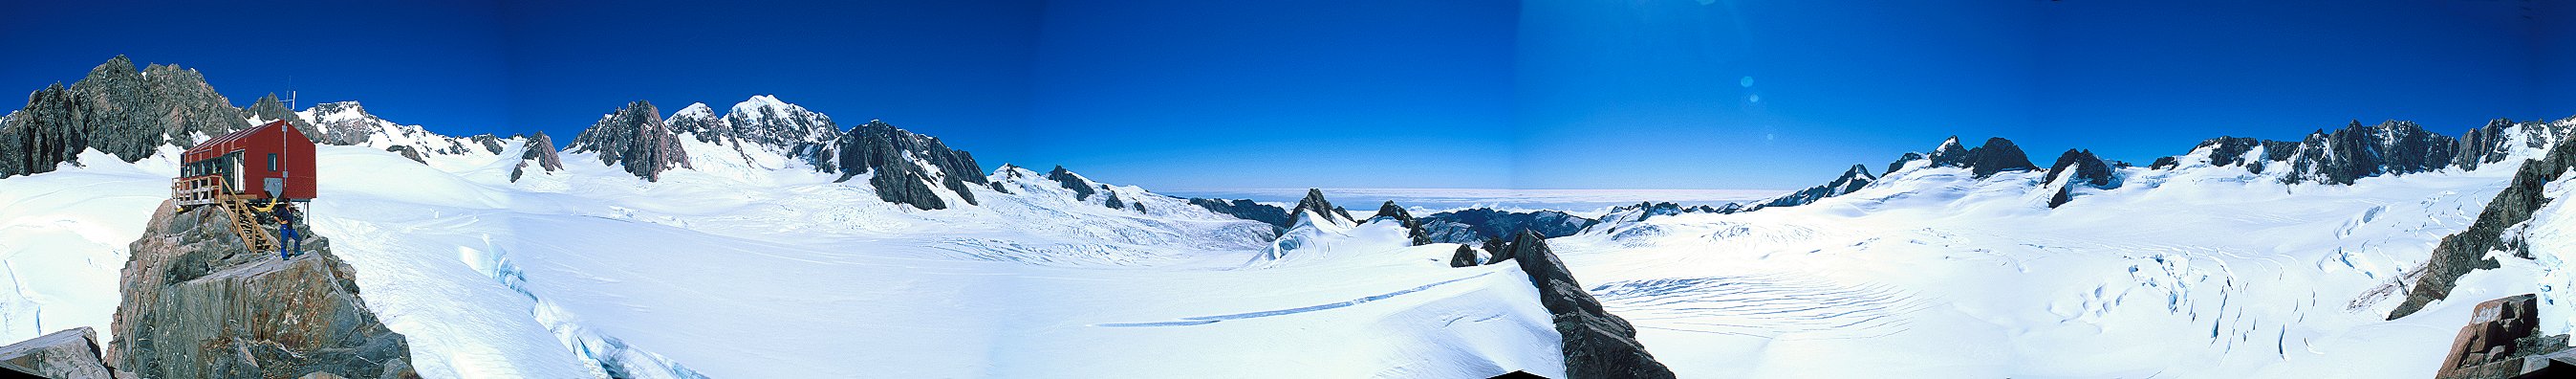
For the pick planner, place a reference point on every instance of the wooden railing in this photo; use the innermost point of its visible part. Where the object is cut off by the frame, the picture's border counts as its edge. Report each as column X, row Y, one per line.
column 198, row 190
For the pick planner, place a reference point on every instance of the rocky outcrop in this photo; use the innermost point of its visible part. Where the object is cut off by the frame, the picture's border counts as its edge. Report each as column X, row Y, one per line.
column 1901, row 159
column 1597, row 344
column 540, row 150
column 268, row 108
column 635, row 137
column 118, row 110
column 1466, row 256
column 1477, row 225
column 2466, row 251
column 1629, row 214
column 1314, row 202
column 2356, row 151
column 490, row 143
column 407, row 153
column 1851, row 180
column 68, row 354
column 700, row 121
column 1998, row 155
column 904, row 166
column 2501, row 342
column 198, row 304
column 1412, row 227
column 2076, row 168
column 1246, row 209
column 1080, row 186
column 764, row 120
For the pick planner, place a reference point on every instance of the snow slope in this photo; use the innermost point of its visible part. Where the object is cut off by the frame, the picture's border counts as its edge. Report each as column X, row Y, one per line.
column 2202, row 272
column 750, row 271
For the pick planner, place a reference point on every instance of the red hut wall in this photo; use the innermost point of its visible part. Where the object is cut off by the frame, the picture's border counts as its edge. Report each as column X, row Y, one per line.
column 293, row 152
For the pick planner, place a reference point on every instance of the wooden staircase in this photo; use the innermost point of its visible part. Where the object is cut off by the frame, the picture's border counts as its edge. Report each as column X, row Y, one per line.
column 246, row 225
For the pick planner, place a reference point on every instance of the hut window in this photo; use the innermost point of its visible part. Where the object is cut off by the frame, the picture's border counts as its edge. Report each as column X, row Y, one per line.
column 272, row 162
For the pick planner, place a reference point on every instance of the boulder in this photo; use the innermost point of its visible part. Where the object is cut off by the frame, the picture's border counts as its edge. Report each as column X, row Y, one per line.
column 68, row 354
column 198, row 304
column 2500, row 343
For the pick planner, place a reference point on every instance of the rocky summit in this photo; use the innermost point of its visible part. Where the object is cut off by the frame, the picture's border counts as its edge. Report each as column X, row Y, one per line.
column 1997, row 155
column 541, row 152
column 199, row 304
column 889, row 154
column 1597, row 344
column 2076, row 168
column 1412, row 227
column 634, row 137
column 1315, row 203
column 118, row 110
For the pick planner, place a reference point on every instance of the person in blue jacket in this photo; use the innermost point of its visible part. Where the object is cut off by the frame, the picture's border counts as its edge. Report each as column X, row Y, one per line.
column 285, row 213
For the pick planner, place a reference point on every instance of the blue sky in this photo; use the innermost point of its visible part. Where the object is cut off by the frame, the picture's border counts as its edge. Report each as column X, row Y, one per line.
column 1466, row 94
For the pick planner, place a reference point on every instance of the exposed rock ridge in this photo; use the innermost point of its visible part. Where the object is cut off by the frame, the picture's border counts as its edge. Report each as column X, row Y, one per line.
column 1479, row 225
column 198, row 304
column 1277, row 217
column 1852, row 179
column 634, row 136
column 1597, row 344
column 2466, row 251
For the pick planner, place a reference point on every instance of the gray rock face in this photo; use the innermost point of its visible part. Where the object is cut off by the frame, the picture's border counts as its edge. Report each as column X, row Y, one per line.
column 1475, row 226
column 540, row 149
column 115, row 109
column 1851, row 180
column 889, row 153
column 1314, row 202
column 198, row 304
column 1949, row 154
column 269, row 108
column 1246, row 209
column 68, row 354
column 2466, row 251
column 1597, row 343
column 633, row 136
